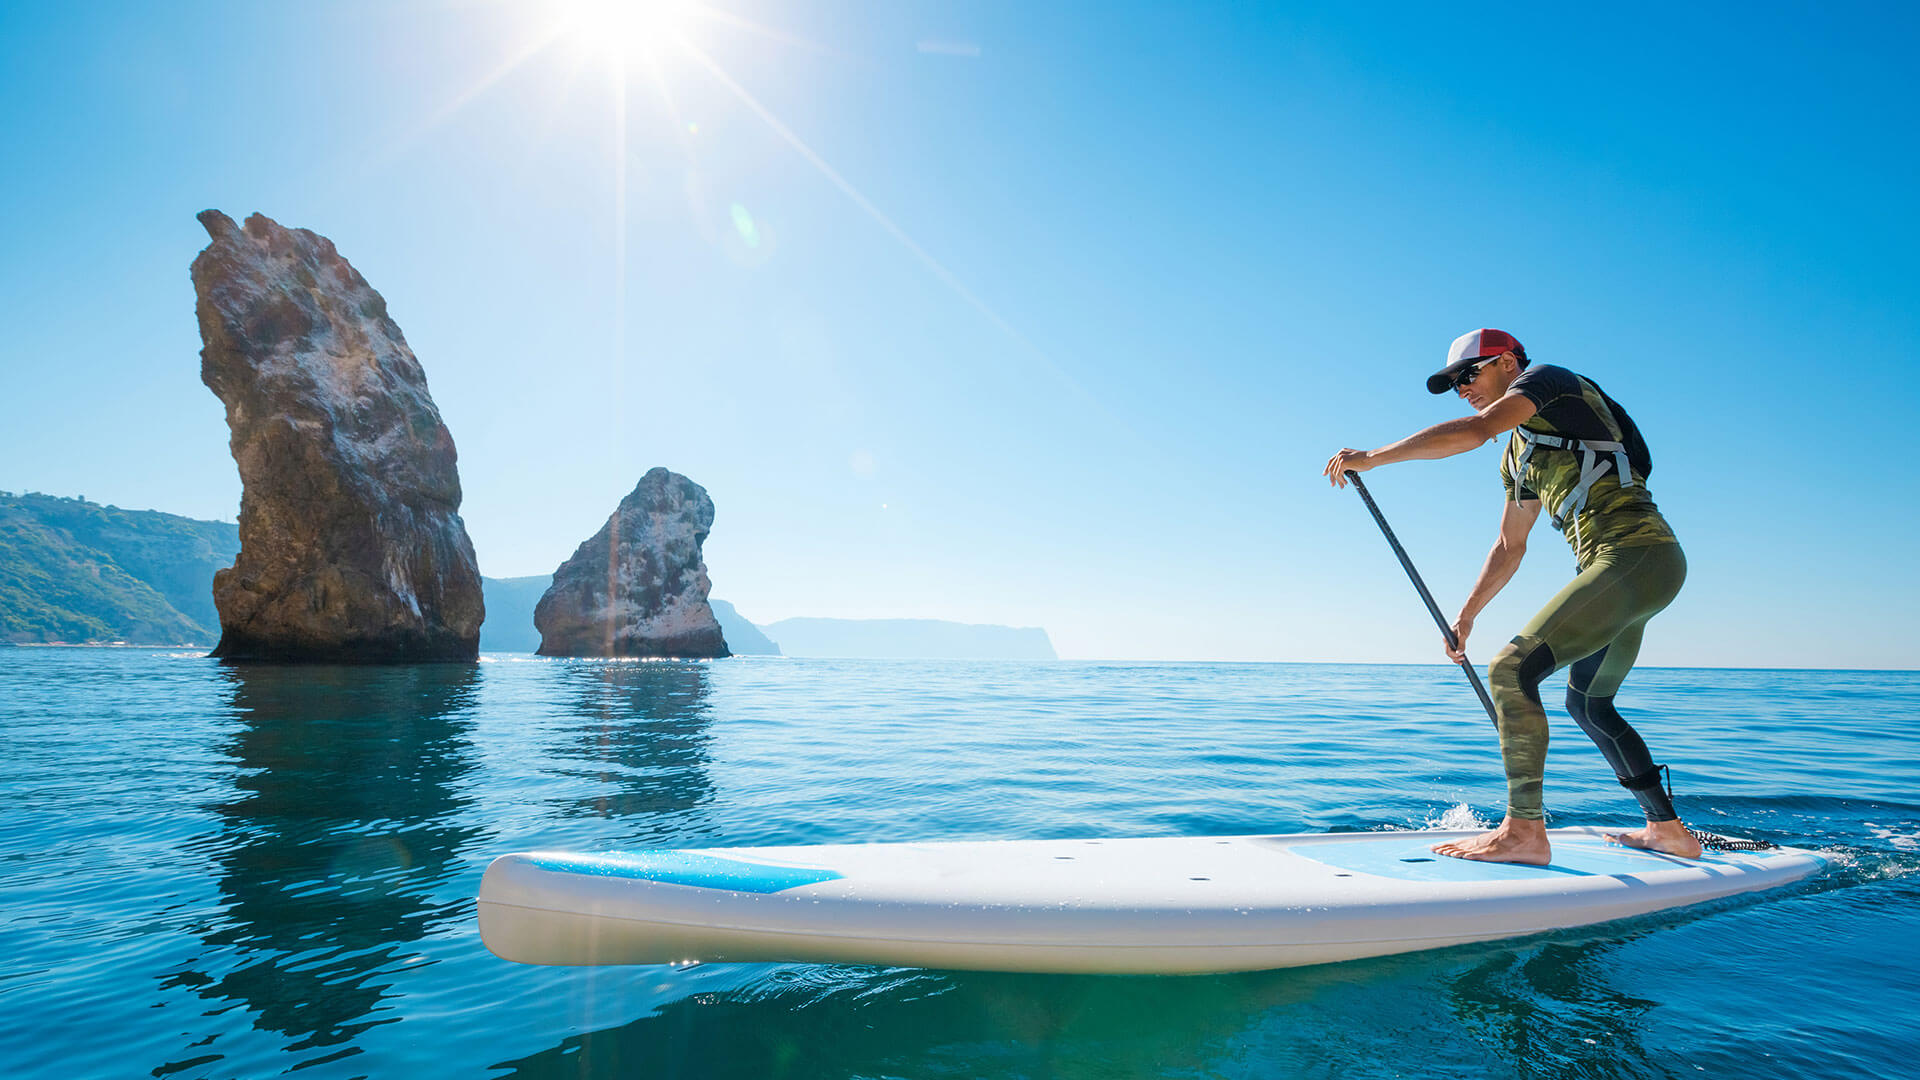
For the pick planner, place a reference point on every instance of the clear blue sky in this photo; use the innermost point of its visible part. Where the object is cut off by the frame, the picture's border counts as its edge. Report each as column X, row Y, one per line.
column 1037, row 314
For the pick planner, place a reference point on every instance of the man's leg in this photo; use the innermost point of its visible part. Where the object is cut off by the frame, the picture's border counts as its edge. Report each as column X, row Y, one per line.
column 1596, row 607
column 1592, row 684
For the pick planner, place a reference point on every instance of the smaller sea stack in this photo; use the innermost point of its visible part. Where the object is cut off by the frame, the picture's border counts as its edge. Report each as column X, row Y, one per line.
column 639, row 587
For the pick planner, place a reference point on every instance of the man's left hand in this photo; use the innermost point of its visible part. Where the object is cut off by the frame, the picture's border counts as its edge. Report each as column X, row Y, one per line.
column 1347, row 461
column 1457, row 651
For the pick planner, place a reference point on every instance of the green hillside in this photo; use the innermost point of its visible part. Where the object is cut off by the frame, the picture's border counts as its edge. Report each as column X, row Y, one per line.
column 73, row 571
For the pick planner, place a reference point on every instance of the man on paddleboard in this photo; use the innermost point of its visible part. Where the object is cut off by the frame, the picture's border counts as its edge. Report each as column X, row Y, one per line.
column 1576, row 453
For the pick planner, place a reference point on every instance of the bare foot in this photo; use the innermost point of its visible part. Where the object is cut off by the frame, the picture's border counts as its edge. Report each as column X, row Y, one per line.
column 1665, row 837
column 1517, row 840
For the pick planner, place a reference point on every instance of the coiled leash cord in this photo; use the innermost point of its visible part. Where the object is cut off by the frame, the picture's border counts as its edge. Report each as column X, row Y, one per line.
column 1713, row 842
column 1709, row 841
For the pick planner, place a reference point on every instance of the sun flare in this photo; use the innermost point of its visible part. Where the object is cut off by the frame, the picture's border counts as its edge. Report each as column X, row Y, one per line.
column 624, row 28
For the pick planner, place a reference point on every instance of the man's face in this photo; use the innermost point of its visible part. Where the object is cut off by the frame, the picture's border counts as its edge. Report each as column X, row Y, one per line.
column 1490, row 381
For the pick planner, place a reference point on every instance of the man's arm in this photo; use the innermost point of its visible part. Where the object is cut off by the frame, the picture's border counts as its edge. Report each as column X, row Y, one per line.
column 1445, row 439
column 1516, row 521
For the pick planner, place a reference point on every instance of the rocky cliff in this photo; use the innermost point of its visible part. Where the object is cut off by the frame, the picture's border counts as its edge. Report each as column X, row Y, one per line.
column 351, row 543
column 639, row 586
column 743, row 638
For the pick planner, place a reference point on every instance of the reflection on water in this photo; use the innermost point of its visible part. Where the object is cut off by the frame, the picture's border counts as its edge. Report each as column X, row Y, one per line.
column 1537, row 1010
column 642, row 740
column 1551, row 1011
column 342, row 825
column 1542, row 1008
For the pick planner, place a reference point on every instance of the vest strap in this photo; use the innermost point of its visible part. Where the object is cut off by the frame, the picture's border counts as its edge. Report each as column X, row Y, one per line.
column 1596, row 457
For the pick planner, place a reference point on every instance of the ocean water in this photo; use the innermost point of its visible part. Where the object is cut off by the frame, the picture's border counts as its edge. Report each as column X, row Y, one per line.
column 215, row 871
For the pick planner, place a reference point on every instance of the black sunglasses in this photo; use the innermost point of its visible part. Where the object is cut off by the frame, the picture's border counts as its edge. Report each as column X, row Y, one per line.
column 1467, row 375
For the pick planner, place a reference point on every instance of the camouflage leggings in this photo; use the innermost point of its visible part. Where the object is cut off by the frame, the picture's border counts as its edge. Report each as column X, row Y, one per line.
column 1594, row 624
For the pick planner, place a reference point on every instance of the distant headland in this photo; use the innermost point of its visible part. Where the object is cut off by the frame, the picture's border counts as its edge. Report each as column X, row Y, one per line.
column 926, row 639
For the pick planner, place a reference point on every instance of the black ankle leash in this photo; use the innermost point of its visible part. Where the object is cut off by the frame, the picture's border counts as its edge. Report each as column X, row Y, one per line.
column 1710, row 841
column 1713, row 842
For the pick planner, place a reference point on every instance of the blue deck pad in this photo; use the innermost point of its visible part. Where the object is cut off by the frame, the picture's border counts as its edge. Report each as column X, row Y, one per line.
column 1414, row 861
column 687, row 868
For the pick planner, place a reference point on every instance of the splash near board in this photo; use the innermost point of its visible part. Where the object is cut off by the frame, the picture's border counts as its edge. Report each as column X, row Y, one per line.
column 1142, row 906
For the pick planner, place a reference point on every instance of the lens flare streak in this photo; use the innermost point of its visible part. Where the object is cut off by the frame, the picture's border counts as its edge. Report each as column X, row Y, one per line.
column 926, row 258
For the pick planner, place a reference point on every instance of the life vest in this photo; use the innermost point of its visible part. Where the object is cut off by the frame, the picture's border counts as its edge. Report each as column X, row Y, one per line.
column 1596, row 457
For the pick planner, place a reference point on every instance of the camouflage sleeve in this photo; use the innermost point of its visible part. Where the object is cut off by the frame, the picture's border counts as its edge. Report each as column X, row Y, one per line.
column 1506, row 475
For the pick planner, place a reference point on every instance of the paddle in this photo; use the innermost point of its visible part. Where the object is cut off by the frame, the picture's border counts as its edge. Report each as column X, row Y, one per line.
column 1433, row 608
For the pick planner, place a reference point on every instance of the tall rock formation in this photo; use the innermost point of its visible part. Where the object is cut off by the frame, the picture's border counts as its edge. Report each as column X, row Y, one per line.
column 638, row 587
column 351, row 543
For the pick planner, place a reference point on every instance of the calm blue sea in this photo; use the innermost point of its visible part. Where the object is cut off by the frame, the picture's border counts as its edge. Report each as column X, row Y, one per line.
column 212, row 871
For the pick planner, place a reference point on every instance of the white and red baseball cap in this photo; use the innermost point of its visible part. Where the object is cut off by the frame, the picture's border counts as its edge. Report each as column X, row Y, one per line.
column 1471, row 348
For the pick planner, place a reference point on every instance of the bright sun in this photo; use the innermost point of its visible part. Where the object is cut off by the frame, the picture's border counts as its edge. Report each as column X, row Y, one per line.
column 624, row 28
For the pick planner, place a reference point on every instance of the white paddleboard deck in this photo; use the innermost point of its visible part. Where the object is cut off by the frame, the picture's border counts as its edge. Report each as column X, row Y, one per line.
column 1161, row 905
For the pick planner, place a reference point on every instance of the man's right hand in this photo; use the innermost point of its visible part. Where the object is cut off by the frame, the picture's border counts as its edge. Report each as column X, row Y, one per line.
column 1457, row 652
column 1345, row 461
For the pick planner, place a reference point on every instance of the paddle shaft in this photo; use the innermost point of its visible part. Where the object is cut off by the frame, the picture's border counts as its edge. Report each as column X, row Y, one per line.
column 1432, row 608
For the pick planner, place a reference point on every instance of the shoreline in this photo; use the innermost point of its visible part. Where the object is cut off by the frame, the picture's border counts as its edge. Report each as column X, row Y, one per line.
column 97, row 645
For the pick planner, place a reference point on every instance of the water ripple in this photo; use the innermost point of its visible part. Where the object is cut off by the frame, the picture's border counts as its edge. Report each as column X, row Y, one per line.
column 239, row 871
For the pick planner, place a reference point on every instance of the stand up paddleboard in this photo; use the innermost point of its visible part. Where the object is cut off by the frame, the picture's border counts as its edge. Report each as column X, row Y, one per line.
column 1147, row 906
